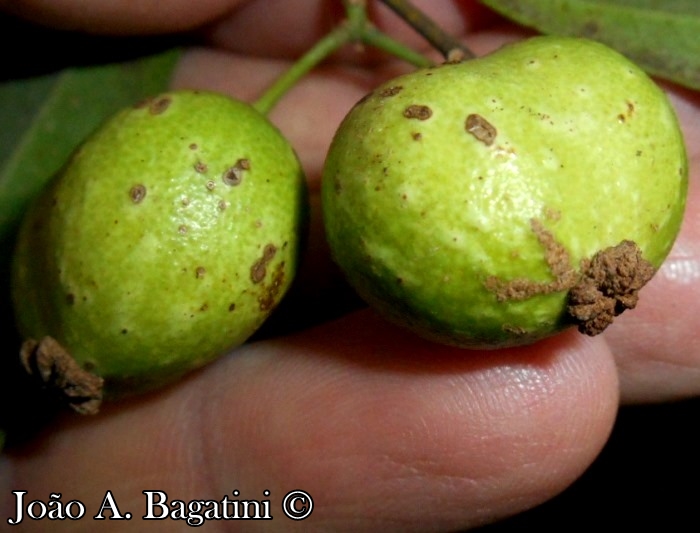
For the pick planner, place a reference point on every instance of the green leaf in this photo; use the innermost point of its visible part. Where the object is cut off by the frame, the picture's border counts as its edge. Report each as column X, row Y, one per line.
column 43, row 119
column 662, row 36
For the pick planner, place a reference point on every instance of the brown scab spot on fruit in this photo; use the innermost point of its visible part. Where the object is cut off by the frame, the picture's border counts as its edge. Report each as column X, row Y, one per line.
column 232, row 308
column 552, row 214
column 419, row 112
column 51, row 364
column 390, row 91
column 628, row 114
column 200, row 272
column 481, row 129
column 193, row 146
column 159, row 105
column 137, row 193
column 200, row 167
column 270, row 293
column 556, row 256
column 182, row 230
column 210, row 185
column 417, row 136
column 223, row 205
column 70, row 298
column 558, row 261
column 259, row 268
column 234, row 175
column 609, row 285
column 337, row 184
column 518, row 331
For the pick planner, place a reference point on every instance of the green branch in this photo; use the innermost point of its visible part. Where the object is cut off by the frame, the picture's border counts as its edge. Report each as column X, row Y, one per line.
column 355, row 29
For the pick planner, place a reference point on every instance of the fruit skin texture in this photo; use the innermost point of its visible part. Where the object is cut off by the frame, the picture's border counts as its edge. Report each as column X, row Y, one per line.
column 169, row 237
column 446, row 185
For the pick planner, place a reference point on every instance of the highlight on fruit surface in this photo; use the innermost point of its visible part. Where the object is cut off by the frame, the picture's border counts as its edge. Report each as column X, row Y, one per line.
column 169, row 237
column 500, row 200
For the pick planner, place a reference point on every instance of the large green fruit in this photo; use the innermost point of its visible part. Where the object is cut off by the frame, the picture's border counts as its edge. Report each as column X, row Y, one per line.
column 169, row 237
column 500, row 200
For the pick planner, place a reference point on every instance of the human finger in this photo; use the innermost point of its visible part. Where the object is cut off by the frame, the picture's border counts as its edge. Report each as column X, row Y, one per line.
column 657, row 345
column 383, row 430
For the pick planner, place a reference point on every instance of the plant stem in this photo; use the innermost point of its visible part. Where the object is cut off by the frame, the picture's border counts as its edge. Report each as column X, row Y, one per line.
column 448, row 46
column 355, row 28
column 322, row 49
column 378, row 39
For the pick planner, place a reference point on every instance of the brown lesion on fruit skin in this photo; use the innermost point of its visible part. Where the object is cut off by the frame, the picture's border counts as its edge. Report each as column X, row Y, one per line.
column 137, row 193
column 558, row 261
column 606, row 285
column 419, row 112
column 52, row 365
column 259, row 269
column 269, row 296
column 482, row 130
column 517, row 331
column 234, row 175
column 390, row 91
column 158, row 106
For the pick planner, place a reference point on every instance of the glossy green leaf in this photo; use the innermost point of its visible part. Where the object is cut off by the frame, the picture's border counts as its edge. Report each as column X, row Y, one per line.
column 43, row 119
column 662, row 36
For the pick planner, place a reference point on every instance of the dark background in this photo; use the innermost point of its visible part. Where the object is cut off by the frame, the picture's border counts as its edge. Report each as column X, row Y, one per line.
column 647, row 475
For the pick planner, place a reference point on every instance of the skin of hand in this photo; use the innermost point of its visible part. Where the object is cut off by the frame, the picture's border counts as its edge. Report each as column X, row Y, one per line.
column 384, row 430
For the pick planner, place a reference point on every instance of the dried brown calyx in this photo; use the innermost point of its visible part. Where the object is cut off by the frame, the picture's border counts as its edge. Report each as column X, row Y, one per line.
column 56, row 369
column 606, row 285
column 609, row 285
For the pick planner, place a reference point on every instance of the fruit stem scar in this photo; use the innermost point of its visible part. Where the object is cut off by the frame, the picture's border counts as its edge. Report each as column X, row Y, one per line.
column 52, row 365
column 481, row 129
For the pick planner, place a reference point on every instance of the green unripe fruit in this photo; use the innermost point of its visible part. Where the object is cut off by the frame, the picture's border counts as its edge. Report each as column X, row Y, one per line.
column 169, row 237
column 500, row 200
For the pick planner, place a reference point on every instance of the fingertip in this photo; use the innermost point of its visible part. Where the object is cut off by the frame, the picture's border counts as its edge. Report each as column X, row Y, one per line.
column 119, row 17
column 368, row 413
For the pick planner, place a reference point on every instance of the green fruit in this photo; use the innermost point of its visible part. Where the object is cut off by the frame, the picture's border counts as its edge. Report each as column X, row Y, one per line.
column 170, row 236
column 500, row 200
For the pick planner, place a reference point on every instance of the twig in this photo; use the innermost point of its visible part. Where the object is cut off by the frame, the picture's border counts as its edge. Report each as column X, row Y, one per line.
column 447, row 45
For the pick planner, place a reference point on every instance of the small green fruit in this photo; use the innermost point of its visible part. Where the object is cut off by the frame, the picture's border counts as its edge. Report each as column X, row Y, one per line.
column 170, row 236
column 498, row 201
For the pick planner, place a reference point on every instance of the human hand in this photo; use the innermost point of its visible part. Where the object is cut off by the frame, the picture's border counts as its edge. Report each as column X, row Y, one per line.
column 383, row 430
